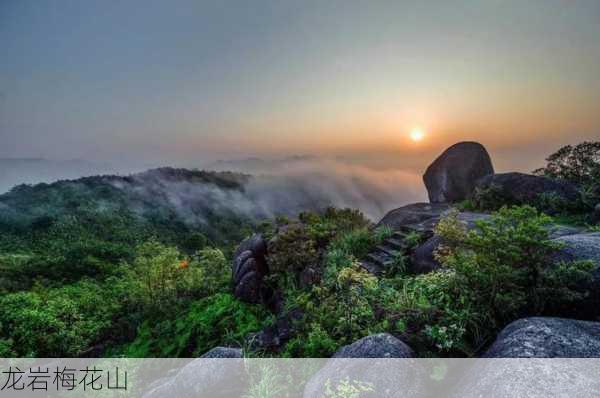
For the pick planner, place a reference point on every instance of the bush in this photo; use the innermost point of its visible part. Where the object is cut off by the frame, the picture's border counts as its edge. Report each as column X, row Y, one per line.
column 579, row 164
column 502, row 267
column 63, row 322
column 164, row 276
column 216, row 320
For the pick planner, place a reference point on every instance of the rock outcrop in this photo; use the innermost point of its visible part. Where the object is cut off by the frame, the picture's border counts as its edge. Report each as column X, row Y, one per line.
column 371, row 365
column 584, row 246
column 540, row 337
column 209, row 376
column 382, row 345
column 452, row 176
column 537, row 338
column 423, row 259
column 520, row 188
column 249, row 269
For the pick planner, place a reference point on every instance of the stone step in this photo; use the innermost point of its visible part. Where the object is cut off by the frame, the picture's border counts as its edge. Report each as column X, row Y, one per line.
column 395, row 243
column 379, row 260
column 374, row 269
column 387, row 250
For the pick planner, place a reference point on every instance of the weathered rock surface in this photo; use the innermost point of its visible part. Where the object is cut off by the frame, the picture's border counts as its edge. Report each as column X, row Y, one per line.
column 272, row 338
column 424, row 216
column 539, row 337
column 209, row 376
column 382, row 345
column 423, row 259
column 249, row 268
column 223, row 352
column 519, row 188
column 370, row 364
column 584, row 246
column 412, row 214
column 452, row 176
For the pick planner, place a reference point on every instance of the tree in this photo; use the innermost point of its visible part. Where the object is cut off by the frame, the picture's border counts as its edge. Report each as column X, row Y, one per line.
column 579, row 164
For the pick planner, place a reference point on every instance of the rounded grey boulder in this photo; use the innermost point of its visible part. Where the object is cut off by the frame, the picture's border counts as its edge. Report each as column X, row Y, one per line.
column 369, row 360
column 452, row 176
column 540, row 337
column 219, row 372
column 382, row 345
column 223, row 352
column 565, row 340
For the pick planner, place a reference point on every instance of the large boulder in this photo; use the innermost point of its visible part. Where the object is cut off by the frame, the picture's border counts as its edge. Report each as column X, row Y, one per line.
column 368, row 361
column 539, row 337
column 249, row 269
column 382, row 345
column 519, row 188
column 423, row 258
column 584, row 246
column 412, row 214
column 218, row 373
column 452, row 176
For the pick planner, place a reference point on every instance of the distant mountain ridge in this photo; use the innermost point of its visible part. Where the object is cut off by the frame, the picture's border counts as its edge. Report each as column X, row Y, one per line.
column 15, row 171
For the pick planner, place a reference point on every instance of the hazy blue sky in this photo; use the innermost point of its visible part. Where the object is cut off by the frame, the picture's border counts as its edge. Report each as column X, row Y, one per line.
column 168, row 81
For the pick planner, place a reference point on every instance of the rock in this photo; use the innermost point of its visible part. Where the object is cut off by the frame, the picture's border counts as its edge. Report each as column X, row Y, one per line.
column 424, row 216
column 584, row 246
column 249, row 269
column 519, row 188
column 272, row 338
column 558, row 231
column 382, row 345
column 370, row 364
column 256, row 244
column 537, row 338
column 423, row 259
column 218, row 373
column 452, row 176
column 547, row 338
column 412, row 214
column 223, row 352
column 596, row 214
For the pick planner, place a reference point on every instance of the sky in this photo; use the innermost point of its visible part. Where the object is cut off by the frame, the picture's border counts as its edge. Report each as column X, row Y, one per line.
column 186, row 82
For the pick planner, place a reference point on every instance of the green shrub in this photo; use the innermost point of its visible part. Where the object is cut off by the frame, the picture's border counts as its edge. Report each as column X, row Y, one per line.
column 491, row 197
column 216, row 320
column 579, row 164
column 164, row 276
column 63, row 322
column 502, row 267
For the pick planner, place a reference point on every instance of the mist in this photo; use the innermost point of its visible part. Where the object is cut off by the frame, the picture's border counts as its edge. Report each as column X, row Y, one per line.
column 286, row 186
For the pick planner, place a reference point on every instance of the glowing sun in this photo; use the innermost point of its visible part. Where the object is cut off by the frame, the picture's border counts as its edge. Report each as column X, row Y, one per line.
column 417, row 134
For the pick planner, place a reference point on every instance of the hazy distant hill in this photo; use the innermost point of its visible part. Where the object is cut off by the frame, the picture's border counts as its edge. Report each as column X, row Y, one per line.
column 165, row 199
column 14, row 171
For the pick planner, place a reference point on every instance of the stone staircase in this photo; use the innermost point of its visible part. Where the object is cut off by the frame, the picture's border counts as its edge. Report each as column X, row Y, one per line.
column 382, row 257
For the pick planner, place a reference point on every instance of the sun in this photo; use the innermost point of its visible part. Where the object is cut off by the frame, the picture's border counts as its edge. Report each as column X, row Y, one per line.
column 416, row 134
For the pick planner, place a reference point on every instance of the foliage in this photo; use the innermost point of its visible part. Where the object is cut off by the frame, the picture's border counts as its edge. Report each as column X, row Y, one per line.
column 59, row 322
column 219, row 319
column 579, row 164
column 502, row 268
column 491, row 197
column 352, row 291
column 165, row 276
column 347, row 388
